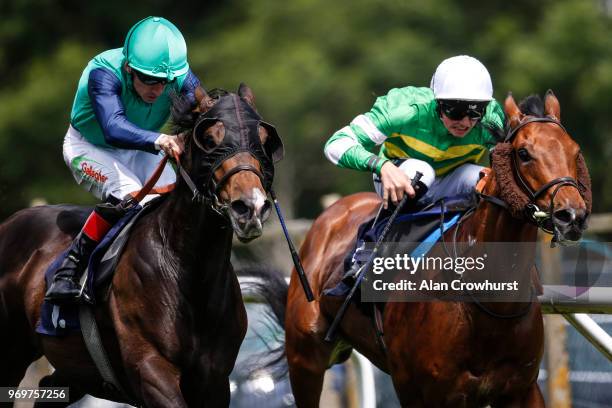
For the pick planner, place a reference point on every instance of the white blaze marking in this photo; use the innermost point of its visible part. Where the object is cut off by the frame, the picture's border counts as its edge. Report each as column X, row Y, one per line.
column 259, row 199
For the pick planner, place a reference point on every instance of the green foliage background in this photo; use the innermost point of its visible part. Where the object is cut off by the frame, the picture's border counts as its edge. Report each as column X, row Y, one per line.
column 313, row 65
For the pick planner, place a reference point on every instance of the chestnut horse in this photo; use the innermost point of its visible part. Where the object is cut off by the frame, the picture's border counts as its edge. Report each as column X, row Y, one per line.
column 448, row 354
column 173, row 319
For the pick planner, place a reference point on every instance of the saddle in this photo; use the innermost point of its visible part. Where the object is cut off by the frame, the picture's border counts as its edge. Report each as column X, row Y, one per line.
column 418, row 223
column 422, row 223
column 414, row 226
column 61, row 320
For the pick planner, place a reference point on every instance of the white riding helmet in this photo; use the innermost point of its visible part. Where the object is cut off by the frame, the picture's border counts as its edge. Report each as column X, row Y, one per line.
column 463, row 78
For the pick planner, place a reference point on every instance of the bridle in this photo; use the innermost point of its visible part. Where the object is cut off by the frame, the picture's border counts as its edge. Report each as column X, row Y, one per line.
column 210, row 195
column 534, row 214
column 543, row 219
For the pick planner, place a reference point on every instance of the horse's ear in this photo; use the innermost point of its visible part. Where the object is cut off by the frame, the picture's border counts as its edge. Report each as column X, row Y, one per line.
column 245, row 93
column 204, row 101
column 551, row 106
column 513, row 113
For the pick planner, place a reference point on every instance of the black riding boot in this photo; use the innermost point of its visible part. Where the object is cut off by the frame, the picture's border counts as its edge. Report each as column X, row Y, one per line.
column 363, row 254
column 66, row 286
column 360, row 257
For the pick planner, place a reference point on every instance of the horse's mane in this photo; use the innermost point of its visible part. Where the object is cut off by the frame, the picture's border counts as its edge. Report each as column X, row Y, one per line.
column 532, row 105
column 183, row 118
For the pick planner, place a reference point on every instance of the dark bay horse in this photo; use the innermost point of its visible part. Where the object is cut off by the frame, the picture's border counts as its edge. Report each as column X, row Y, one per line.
column 448, row 354
column 173, row 319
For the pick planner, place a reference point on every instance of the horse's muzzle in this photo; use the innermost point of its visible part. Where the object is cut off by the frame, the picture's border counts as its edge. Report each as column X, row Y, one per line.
column 570, row 223
column 248, row 216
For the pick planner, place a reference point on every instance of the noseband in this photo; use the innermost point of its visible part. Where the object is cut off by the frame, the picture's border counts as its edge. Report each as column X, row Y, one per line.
column 543, row 219
column 211, row 197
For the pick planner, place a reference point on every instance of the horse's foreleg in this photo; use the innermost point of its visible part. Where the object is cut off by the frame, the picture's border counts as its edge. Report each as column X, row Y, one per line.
column 306, row 384
column 56, row 380
column 16, row 349
column 308, row 359
column 531, row 399
column 207, row 384
column 159, row 382
column 14, row 367
column 215, row 392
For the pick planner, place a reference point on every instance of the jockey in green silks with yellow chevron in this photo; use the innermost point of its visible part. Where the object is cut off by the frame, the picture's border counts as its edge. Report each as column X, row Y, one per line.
column 440, row 131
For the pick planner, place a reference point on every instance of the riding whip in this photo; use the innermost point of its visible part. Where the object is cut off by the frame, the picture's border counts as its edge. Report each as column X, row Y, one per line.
column 331, row 332
column 294, row 254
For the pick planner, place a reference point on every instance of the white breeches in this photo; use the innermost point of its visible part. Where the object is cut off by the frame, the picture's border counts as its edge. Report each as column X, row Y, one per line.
column 462, row 180
column 107, row 171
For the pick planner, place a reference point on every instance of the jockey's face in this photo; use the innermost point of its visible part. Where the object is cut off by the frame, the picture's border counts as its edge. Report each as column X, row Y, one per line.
column 458, row 128
column 148, row 93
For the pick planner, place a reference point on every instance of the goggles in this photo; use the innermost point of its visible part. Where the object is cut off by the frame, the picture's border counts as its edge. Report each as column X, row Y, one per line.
column 149, row 80
column 457, row 110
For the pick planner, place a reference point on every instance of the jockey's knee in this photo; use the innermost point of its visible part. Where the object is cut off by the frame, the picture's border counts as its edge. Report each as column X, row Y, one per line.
column 466, row 176
column 411, row 166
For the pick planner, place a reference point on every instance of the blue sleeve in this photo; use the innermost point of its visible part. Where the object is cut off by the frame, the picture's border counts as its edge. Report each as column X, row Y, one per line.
column 190, row 84
column 104, row 90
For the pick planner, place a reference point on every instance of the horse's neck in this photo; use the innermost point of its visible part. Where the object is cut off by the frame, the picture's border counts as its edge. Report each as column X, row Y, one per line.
column 196, row 242
column 492, row 223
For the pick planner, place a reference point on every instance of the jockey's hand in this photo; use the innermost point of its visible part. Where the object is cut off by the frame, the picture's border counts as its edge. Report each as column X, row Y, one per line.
column 172, row 145
column 395, row 184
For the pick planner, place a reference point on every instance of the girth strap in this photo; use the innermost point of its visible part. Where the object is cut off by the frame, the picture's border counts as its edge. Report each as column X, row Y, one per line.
column 93, row 342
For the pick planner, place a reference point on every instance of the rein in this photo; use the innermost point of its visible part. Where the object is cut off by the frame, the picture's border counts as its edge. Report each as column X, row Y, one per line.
column 149, row 185
column 213, row 202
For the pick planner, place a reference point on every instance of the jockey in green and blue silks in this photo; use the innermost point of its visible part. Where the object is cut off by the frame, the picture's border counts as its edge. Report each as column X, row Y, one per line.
column 123, row 96
column 440, row 131
column 122, row 101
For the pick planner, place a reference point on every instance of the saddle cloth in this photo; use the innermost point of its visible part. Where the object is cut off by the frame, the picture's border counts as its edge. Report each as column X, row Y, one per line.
column 422, row 225
column 61, row 320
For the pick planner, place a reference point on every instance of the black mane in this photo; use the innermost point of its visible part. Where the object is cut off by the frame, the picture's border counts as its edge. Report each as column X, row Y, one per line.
column 532, row 106
column 182, row 116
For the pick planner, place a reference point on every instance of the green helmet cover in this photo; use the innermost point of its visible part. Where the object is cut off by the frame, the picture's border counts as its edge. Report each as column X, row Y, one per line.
column 155, row 47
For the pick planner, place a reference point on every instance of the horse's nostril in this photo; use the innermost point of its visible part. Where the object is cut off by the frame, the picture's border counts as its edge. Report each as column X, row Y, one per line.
column 565, row 216
column 265, row 210
column 240, row 208
column 581, row 217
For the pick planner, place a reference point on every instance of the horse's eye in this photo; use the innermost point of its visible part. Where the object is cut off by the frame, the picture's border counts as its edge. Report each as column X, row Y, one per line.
column 211, row 138
column 207, row 143
column 523, row 154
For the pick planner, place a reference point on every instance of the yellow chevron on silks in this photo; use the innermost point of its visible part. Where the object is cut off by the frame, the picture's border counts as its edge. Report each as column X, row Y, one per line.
column 433, row 152
column 458, row 153
column 469, row 159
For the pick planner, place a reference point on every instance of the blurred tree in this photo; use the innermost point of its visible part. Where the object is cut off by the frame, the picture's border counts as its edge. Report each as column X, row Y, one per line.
column 313, row 65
